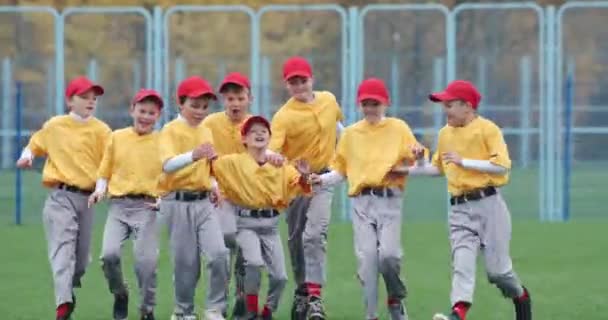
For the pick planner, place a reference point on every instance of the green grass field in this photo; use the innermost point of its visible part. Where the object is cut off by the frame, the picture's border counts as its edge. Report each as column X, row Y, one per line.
column 563, row 263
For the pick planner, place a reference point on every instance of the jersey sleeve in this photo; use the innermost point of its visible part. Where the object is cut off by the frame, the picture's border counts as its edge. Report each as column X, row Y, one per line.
column 37, row 143
column 279, row 132
column 339, row 162
column 166, row 149
column 294, row 184
column 407, row 141
column 107, row 161
column 495, row 142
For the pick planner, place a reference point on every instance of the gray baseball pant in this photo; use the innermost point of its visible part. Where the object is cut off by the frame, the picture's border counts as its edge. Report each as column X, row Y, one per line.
column 131, row 218
column 307, row 223
column 194, row 230
column 377, row 236
column 481, row 225
column 261, row 246
column 67, row 225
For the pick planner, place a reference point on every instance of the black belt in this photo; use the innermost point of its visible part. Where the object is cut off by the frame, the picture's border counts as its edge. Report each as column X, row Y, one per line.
column 70, row 188
column 474, row 195
column 381, row 192
column 133, row 196
column 258, row 213
column 189, row 196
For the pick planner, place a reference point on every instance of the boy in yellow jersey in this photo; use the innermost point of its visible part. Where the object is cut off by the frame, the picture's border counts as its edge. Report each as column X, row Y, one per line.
column 132, row 188
column 366, row 153
column 259, row 190
column 225, row 126
column 472, row 154
column 185, row 186
column 305, row 127
column 73, row 145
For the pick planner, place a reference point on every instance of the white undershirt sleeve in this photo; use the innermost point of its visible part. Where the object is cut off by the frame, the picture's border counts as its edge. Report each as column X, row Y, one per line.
column 178, row 162
column 483, row 166
column 331, row 178
column 27, row 153
column 101, row 185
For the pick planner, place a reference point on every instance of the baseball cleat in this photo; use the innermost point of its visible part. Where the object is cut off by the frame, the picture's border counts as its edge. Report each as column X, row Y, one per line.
column 121, row 306
column 316, row 311
column 212, row 314
column 451, row 316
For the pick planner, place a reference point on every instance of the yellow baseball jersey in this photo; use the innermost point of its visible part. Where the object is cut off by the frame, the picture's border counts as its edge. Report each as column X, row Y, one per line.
column 179, row 137
column 307, row 130
column 226, row 134
column 367, row 152
column 479, row 140
column 73, row 148
column 131, row 163
column 250, row 185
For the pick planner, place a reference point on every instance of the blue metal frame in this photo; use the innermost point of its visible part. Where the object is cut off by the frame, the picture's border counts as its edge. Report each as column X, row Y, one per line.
column 358, row 65
column 100, row 10
column 208, row 9
column 452, row 63
column 560, row 170
column 320, row 7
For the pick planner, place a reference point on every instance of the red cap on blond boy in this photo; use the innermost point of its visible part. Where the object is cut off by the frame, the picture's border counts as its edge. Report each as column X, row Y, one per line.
column 296, row 66
column 80, row 85
column 458, row 90
column 148, row 93
column 194, row 87
column 375, row 89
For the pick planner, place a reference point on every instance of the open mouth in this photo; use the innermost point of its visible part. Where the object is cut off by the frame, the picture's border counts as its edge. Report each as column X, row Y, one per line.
column 260, row 139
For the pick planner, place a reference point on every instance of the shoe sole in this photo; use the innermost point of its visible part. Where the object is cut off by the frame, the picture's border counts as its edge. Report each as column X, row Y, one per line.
column 440, row 316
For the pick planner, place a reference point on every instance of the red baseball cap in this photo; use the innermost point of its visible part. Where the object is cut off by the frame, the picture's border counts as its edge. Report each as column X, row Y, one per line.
column 373, row 88
column 458, row 90
column 253, row 120
column 148, row 93
column 80, row 85
column 296, row 66
column 235, row 78
column 194, row 87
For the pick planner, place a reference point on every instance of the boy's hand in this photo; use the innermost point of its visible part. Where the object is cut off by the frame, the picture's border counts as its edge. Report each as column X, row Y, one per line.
column 302, row 166
column 275, row 159
column 452, row 157
column 314, row 179
column 24, row 163
column 205, row 150
column 216, row 197
column 418, row 151
column 95, row 197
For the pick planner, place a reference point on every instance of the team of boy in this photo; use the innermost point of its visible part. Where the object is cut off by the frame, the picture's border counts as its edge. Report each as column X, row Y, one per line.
column 223, row 180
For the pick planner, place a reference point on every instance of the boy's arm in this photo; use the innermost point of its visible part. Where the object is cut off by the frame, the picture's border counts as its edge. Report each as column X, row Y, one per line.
column 35, row 148
column 498, row 163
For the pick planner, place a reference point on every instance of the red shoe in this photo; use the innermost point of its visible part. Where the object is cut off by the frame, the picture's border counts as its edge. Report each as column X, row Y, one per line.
column 64, row 311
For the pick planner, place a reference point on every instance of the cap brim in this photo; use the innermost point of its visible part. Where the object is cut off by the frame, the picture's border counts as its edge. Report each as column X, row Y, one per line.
column 158, row 99
column 201, row 92
column 441, row 96
column 232, row 82
column 96, row 88
column 298, row 74
column 378, row 98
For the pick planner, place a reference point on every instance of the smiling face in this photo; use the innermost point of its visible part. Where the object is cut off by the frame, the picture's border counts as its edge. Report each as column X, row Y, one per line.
column 145, row 114
column 257, row 137
column 458, row 112
column 194, row 110
column 373, row 110
column 300, row 88
column 83, row 104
